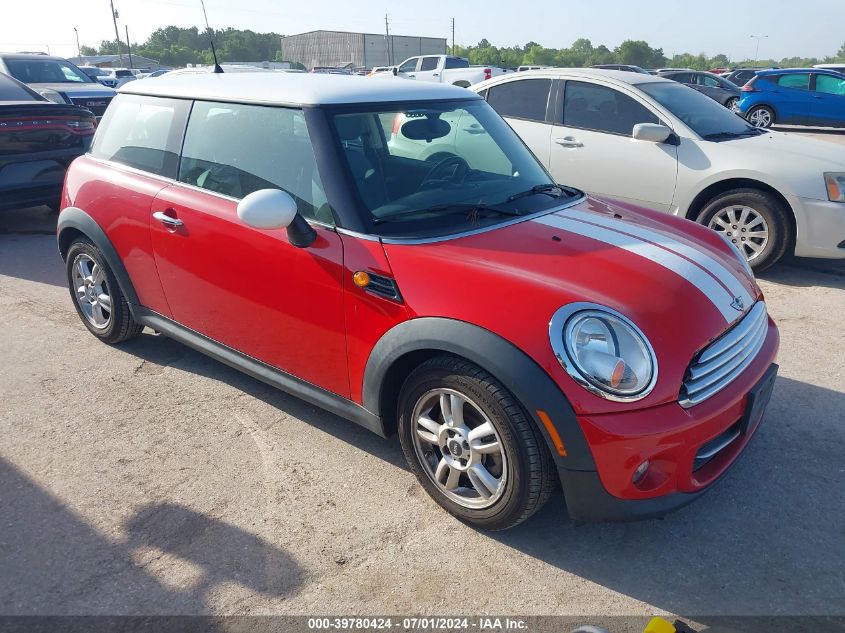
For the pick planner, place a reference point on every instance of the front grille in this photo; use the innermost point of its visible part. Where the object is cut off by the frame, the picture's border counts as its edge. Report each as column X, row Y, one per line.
column 97, row 106
column 726, row 358
column 716, row 446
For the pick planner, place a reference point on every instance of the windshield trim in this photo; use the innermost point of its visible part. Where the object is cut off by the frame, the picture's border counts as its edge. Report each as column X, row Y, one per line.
column 476, row 231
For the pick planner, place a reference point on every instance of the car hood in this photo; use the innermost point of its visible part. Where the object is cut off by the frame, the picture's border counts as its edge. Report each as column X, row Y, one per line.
column 77, row 89
column 676, row 280
column 794, row 150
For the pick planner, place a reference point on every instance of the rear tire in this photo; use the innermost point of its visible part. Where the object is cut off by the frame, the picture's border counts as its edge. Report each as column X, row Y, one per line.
column 731, row 103
column 96, row 294
column 755, row 221
column 451, row 411
column 761, row 116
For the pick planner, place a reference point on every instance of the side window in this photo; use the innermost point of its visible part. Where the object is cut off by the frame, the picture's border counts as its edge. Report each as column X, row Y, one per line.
column 140, row 132
column 409, row 66
column 429, row 63
column 594, row 107
column 455, row 62
column 521, row 99
column 684, row 78
column 705, row 80
column 235, row 149
column 831, row 85
column 799, row 81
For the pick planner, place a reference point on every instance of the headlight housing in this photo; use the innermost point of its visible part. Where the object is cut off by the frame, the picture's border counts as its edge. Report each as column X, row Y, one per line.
column 835, row 185
column 603, row 351
column 51, row 95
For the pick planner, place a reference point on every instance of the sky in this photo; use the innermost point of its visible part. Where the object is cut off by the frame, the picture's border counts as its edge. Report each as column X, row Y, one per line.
column 711, row 26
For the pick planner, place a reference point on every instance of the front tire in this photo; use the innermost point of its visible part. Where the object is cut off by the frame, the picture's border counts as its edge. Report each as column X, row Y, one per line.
column 761, row 116
column 96, row 294
column 754, row 221
column 471, row 445
column 731, row 103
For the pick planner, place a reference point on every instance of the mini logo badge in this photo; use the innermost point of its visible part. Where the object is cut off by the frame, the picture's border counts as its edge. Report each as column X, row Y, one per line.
column 738, row 304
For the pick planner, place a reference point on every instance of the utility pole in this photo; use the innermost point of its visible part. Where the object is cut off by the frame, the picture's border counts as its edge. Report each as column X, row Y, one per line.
column 387, row 41
column 116, row 32
column 78, row 49
column 453, row 36
column 757, row 50
column 128, row 48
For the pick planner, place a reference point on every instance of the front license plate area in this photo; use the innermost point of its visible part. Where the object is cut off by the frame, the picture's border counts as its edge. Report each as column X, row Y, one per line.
column 758, row 400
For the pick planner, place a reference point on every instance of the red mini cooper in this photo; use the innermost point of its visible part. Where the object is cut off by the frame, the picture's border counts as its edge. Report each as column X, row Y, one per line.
column 392, row 252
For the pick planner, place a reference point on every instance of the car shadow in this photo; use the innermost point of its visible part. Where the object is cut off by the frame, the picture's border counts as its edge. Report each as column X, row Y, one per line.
column 807, row 272
column 785, row 492
column 55, row 563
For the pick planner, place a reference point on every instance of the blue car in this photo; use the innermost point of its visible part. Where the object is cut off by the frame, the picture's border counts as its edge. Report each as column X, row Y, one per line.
column 795, row 96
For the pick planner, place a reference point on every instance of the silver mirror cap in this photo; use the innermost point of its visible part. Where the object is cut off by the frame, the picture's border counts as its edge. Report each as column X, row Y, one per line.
column 267, row 209
column 653, row 132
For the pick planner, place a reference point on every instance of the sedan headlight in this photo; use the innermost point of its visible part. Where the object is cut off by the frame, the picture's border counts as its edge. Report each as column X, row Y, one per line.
column 603, row 351
column 835, row 183
column 51, row 95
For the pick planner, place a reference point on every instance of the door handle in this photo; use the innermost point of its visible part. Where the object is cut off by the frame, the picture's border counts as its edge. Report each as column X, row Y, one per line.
column 569, row 141
column 435, row 74
column 167, row 220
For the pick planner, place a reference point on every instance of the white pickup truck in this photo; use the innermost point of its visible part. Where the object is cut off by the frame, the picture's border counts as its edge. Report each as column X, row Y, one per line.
column 443, row 69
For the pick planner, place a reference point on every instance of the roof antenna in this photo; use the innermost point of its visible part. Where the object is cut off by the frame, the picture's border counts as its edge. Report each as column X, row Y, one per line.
column 217, row 68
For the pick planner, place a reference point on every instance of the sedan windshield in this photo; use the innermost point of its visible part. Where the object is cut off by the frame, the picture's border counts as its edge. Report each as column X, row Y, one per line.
column 46, row 71
column 441, row 167
column 708, row 118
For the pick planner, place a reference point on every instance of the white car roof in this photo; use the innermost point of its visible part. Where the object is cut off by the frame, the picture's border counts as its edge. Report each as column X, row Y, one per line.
column 293, row 88
column 615, row 76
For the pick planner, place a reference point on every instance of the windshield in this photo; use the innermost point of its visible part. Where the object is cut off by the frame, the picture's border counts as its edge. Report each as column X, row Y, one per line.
column 708, row 118
column 46, row 71
column 438, row 168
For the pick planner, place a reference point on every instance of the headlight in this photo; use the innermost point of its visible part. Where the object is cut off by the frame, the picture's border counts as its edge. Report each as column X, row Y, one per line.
column 835, row 183
column 738, row 254
column 51, row 95
column 603, row 351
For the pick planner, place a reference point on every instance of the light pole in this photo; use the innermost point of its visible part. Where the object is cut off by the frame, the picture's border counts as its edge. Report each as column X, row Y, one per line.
column 78, row 49
column 757, row 50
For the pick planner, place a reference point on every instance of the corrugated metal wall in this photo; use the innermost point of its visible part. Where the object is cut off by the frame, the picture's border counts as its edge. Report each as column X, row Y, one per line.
column 336, row 48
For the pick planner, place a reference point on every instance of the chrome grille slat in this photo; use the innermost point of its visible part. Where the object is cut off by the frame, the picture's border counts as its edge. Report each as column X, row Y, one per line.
column 726, row 358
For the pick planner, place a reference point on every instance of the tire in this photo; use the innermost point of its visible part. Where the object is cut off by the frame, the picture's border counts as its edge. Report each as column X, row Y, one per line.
column 91, row 282
column 523, row 467
column 761, row 116
column 730, row 104
column 717, row 214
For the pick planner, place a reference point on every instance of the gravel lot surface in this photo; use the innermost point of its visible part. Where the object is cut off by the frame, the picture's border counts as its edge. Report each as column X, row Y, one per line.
column 148, row 479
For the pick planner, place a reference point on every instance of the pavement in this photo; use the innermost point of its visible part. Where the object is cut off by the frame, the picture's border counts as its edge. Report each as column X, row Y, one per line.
column 148, row 479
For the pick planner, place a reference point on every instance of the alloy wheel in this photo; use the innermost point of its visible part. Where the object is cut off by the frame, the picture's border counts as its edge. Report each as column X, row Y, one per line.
column 459, row 448
column 92, row 291
column 761, row 117
column 746, row 228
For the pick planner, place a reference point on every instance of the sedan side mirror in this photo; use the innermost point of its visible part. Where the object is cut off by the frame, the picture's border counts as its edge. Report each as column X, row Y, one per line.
column 268, row 209
column 653, row 132
column 395, row 71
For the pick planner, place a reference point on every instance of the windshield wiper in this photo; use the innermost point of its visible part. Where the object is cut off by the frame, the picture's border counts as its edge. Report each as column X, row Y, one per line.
column 717, row 135
column 556, row 191
column 448, row 209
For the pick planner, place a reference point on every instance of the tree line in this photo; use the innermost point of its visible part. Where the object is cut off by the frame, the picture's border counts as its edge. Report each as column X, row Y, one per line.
column 175, row 46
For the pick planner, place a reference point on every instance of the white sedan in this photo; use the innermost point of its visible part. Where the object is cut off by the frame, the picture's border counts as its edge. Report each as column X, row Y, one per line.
column 656, row 143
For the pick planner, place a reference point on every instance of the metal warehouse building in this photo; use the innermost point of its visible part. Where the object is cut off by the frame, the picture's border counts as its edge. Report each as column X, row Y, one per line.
column 359, row 50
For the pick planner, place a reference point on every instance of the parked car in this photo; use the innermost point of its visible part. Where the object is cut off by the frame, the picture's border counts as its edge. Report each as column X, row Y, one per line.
column 656, row 143
column 100, row 75
column 840, row 68
column 38, row 140
column 741, row 76
column 58, row 80
column 158, row 73
column 379, row 69
column 799, row 96
column 713, row 86
column 445, row 69
column 521, row 68
column 628, row 68
column 330, row 70
column 121, row 75
column 417, row 294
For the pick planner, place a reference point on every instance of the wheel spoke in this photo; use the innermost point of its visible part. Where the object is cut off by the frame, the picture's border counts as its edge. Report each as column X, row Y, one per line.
column 754, row 247
column 756, row 234
column 105, row 301
column 743, row 215
column 80, row 293
column 720, row 222
column 97, row 314
column 427, row 436
column 484, row 483
column 447, row 476
column 80, row 267
column 456, row 406
column 477, row 435
column 97, row 274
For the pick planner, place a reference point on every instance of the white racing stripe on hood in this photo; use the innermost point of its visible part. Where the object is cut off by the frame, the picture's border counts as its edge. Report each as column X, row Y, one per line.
column 684, row 268
column 711, row 265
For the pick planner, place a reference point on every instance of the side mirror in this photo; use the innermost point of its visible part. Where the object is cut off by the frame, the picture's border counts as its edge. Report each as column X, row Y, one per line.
column 653, row 132
column 268, row 209
column 395, row 71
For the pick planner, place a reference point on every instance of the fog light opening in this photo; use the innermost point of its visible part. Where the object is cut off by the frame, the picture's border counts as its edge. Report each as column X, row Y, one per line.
column 640, row 472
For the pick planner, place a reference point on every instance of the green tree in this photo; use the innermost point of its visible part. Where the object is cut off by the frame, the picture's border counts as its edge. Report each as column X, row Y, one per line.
column 639, row 53
column 87, row 51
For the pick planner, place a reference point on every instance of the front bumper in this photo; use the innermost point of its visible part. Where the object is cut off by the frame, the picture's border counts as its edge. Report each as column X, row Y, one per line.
column 671, row 438
column 820, row 228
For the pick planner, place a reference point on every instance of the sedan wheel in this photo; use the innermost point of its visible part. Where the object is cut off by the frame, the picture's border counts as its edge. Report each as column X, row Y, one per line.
column 745, row 227
column 761, row 117
column 459, row 448
column 732, row 104
column 92, row 291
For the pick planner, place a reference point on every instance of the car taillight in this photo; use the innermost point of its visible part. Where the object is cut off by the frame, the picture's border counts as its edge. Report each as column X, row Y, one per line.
column 398, row 120
column 747, row 88
column 488, row 73
column 83, row 127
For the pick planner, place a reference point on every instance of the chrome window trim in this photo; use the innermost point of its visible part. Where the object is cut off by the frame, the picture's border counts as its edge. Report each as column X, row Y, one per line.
column 557, row 326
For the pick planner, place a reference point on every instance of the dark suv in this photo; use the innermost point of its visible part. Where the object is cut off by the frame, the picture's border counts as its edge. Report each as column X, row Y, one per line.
column 58, row 80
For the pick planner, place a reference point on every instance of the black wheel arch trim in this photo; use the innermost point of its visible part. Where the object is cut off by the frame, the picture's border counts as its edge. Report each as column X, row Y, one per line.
column 523, row 377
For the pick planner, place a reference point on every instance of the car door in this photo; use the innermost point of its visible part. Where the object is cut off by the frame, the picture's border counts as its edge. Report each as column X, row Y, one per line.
column 710, row 87
column 524, row 104
column 408, row 68
column 592, row 147
column 828, row 105
column 429, row 69
column 792, row 98
column 251, row 289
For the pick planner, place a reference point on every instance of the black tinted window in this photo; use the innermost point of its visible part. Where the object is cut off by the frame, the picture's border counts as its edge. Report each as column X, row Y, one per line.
column 429, row 63
column 237, row 149
column 595, row 107
column 46, row 71
column 456, row 62
column 142, row 132
column 525, row 99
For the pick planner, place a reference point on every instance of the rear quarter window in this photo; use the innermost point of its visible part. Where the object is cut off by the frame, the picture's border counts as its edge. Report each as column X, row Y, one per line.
column 142, row 132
